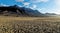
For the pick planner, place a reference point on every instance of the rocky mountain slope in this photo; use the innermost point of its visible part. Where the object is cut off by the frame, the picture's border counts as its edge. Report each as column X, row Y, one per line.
column 20, row 11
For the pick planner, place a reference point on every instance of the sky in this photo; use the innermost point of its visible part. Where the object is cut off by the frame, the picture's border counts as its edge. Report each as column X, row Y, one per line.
column 43, row 6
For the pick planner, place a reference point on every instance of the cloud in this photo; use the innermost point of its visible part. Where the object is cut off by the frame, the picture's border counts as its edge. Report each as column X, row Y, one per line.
column 44, row 0
column 33, row 6
column 57, row 11
column 57, row 2
column 19, row 0
column 38, row 1
column 3, row 4
column 33, row 1
column 26, row 3
column 20, row 5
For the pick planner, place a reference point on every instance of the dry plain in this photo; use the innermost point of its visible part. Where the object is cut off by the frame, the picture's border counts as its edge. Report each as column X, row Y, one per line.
column 29, row 24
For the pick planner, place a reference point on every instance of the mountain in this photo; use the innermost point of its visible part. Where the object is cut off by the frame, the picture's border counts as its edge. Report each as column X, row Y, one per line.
column 18, row 11
column 50, row 14
column 22, row 11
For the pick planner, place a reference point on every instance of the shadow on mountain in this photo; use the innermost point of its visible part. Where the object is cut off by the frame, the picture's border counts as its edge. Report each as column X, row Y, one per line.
column 20, row 11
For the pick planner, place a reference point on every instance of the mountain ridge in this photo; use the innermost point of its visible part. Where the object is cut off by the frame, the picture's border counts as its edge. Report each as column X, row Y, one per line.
column 20, row 11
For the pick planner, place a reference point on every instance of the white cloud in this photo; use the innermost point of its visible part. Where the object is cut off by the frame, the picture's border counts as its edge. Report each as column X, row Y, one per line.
column 57, row 2
column 20, row 5
column 3, row 4
column 44, row 0
column 26, row 3
column 57, row 11
column 33, row 1
column 37, row 1
column 19, row 0
column 33, row 6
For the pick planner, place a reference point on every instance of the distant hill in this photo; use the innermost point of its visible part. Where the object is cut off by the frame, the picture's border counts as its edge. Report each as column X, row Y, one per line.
column 20, row 11
column 50, row 14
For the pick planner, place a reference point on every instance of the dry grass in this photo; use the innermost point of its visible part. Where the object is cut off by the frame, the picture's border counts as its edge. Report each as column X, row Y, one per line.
column 29, row 24
column 8, row 19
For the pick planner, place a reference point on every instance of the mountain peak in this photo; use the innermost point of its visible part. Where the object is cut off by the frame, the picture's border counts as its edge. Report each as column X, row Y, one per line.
column 21, row 11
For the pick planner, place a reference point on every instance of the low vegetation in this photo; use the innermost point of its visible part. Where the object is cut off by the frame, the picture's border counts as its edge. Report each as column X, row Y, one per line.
column 29, row 24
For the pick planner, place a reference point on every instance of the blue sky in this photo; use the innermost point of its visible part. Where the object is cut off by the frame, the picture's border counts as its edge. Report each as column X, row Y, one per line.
column 44, row 6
